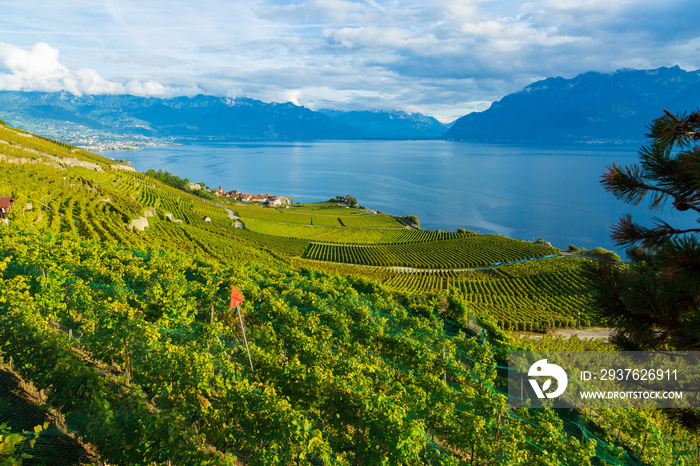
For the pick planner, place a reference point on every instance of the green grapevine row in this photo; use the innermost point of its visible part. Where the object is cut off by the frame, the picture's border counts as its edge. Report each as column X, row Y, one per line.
column 348, row 235
column 307, row 215
column 139, row 348
column 465, row 252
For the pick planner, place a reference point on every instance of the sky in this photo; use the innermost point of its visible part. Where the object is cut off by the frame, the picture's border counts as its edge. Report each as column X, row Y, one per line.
column 444, row 58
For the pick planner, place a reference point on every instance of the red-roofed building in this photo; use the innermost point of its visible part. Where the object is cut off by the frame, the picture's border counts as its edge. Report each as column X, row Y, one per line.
column 274, row 201
column 6, row 203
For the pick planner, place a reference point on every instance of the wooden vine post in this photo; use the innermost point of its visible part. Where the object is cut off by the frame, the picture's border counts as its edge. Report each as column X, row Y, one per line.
column 236, row 300
column 127, row 363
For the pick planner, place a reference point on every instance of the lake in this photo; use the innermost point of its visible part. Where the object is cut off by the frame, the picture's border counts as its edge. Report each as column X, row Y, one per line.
column 527, row 192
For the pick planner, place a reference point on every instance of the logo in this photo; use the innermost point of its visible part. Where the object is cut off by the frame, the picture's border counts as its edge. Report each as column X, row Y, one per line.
column 543, row 369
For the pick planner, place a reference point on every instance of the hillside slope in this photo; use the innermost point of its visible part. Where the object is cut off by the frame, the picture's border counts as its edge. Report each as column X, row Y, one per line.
column 129, row 337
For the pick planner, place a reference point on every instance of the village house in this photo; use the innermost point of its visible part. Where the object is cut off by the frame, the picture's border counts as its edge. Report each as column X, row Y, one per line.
column 274, row 201
column 6, row 203
column 269, row 199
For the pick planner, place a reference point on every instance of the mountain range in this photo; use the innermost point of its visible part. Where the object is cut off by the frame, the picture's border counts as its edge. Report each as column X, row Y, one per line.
column 207, row 117
column 591, row 107
column 400, row 125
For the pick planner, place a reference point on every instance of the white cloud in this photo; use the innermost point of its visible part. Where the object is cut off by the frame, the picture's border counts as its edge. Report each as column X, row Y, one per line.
column 292, row 95
column 148, row 88
column 39, row 69
column 443, row 57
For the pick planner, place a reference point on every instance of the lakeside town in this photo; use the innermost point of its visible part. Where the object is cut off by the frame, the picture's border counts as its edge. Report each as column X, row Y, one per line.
column 271, row 200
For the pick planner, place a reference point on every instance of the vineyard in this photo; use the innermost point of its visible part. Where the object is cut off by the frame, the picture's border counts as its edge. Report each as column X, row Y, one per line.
column 129, row 343
column 98, row 207
column 543, row 294
column 143, row 357
column 319, row 214
column 527, row 296
column 458, row 253
column 345, row 235
column 19, row 143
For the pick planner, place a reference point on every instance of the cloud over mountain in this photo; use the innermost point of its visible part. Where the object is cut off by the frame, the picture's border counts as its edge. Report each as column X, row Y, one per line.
column 39, row 69
column 442, row 57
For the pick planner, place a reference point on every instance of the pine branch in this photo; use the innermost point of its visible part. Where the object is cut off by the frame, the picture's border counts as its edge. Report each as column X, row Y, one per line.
column 628, row 185
column 628, row 233
column 684, row 125
column 654, row 302
column 675, row 130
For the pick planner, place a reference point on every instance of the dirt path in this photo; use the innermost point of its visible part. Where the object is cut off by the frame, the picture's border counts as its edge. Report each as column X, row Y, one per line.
column 414, row 270
column 583, row 334
column 396, row 268
column 407, row 225
column 400, row 269
column 232, row 216
column 595, row 333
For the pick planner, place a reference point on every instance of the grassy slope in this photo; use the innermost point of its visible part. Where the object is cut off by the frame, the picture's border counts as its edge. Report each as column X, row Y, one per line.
column 346, row 372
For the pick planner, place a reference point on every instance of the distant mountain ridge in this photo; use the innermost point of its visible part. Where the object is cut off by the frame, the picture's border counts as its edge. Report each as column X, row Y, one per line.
column 389, row 124
column 204, row 118
column 589, row 108
column 592, row 107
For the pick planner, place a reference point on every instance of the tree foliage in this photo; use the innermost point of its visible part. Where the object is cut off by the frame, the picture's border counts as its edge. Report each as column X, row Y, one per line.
column 168, row 178
column 175, row 181
column 655, row 300
column 411, row 220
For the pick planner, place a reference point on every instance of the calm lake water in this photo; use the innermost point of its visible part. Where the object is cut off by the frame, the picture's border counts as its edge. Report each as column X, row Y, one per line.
column 525, row 192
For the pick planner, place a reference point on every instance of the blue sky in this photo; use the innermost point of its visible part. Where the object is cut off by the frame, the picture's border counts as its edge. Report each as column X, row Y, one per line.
column 443, row 58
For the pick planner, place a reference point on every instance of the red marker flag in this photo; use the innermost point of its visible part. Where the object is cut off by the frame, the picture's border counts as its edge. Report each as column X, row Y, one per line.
column 236, row 297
